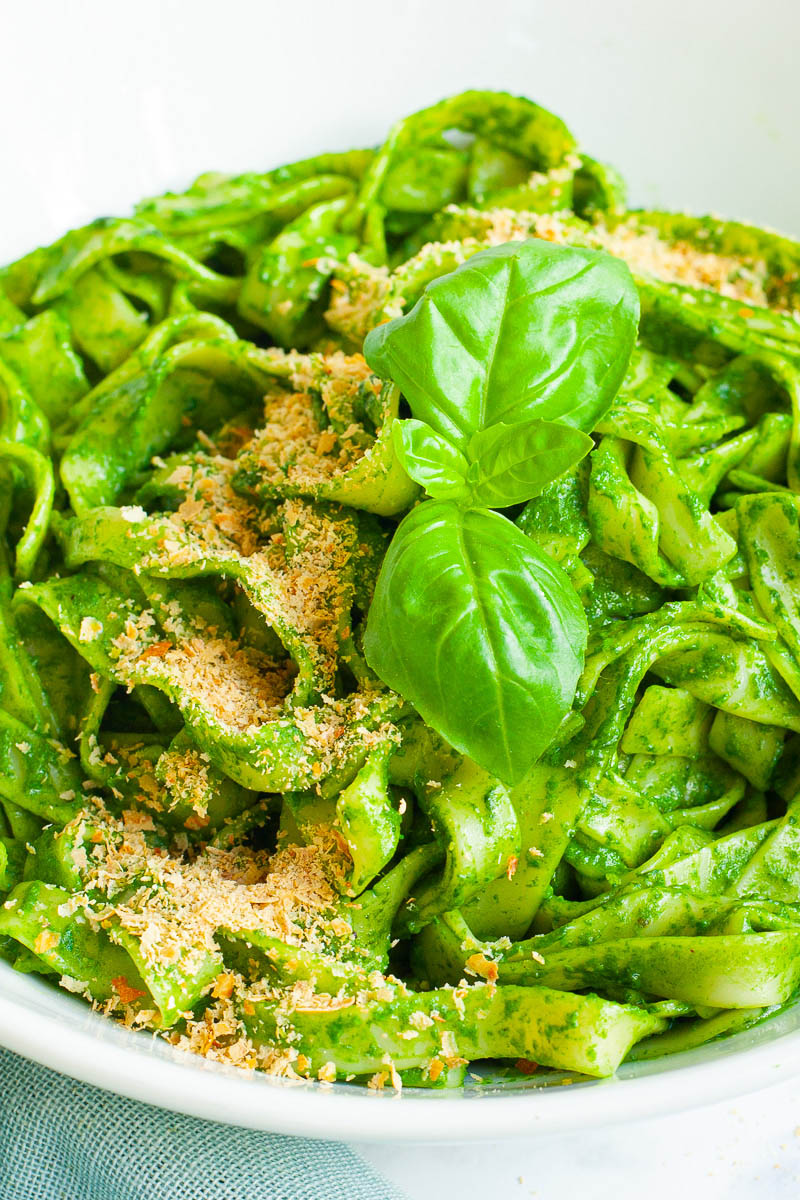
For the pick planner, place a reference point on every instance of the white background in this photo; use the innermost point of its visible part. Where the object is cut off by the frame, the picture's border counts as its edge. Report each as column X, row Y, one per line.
column 103, row 102
column 697, row 101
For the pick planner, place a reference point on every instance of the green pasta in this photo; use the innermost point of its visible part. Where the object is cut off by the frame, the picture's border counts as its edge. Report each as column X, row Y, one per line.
column 399, row 609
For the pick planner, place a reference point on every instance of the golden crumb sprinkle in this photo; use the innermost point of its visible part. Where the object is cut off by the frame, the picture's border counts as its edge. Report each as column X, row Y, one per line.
column 479, row 964
column 680, row 262
column 185, row 775
column 46, row 940
column 435, row 1068
column 363, row 294
column 223, row 986
column 90, row 628
column 241, row 686
column 127, row 993
column 642, row 248
column 327, row 1072
column 175, row 903
column 306, row 441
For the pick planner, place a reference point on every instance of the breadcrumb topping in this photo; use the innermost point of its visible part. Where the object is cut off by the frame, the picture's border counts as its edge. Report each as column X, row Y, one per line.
column 642, row 248
column 185, row 775
column 175, row 903
column 681, row 262
column 356, row 295
column 314, row 430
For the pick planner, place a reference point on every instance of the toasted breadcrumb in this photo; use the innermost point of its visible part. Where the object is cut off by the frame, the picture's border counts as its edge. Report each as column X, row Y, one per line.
column 46, row 940
column 364, row 292
column 478, row 964
column 642, row 248
column 315, row 432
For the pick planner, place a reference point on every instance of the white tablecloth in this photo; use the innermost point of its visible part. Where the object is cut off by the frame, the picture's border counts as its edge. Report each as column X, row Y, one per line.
column 742, row 1150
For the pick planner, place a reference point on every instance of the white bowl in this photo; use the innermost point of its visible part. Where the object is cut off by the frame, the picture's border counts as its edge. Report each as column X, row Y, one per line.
column 60, row 1031
column 698, row 107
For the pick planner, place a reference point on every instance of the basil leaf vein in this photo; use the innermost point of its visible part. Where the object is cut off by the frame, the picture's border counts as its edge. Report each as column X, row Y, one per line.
column 520, row 331
column 430, row 459
column 480, row 631
column 513, row 463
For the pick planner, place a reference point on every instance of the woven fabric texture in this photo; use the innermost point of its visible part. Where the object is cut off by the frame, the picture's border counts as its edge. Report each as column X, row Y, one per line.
column 64, row 1140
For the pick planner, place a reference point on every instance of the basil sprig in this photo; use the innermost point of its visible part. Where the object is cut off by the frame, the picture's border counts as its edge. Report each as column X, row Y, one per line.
column 503, row 465
column 506, row 364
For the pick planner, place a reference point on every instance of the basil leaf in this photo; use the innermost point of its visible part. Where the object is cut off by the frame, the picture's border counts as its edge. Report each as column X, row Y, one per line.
column 523, row 330
column 480, row 631
column 430, row 460
column 513, row 463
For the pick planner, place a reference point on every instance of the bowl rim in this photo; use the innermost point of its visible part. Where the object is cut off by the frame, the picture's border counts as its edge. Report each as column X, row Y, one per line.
column 91, row 1048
